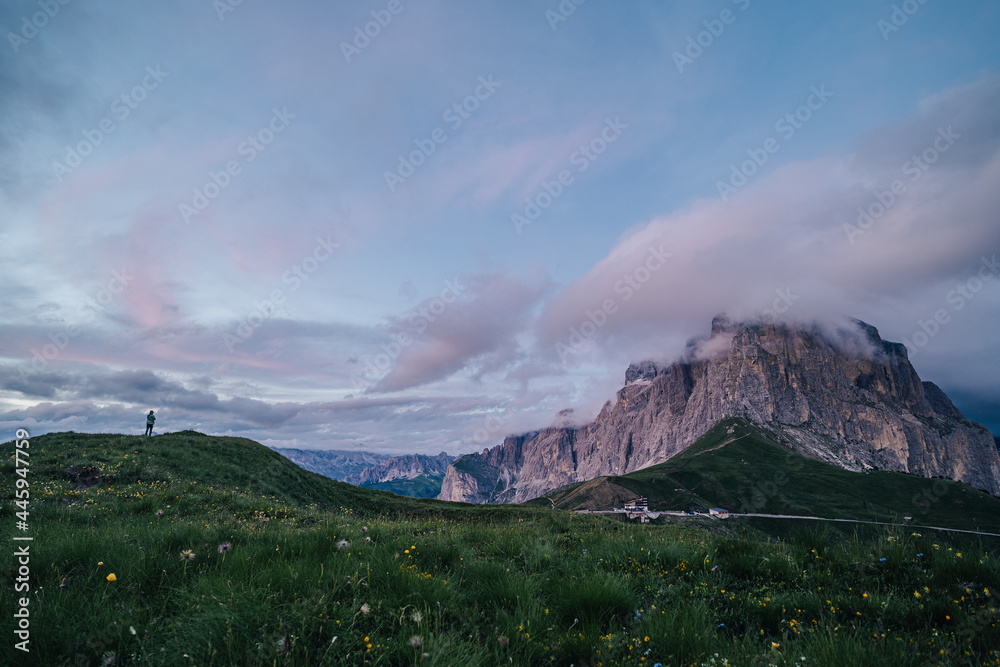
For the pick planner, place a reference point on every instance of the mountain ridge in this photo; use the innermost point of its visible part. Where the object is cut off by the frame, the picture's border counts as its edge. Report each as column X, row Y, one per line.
column 408, row 466
column 336, row 464
column 414, row 475
column 837, row 394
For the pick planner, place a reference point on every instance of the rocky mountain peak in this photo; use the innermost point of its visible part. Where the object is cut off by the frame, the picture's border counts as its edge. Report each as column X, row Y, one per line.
column 839, row 394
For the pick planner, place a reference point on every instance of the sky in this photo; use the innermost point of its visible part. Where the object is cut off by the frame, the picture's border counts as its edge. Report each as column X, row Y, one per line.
column 421, row 225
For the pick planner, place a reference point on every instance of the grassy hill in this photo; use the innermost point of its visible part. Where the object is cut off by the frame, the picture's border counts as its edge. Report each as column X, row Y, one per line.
column 185, row 549
column 221, row 475
column 739, row 467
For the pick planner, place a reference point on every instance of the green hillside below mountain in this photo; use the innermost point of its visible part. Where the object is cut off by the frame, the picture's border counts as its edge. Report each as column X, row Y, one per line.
column 741, row 468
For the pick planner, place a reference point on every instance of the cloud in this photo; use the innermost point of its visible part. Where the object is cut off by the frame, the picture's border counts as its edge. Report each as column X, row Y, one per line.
column 141, row 387
column 478, row 329
column 780, row 246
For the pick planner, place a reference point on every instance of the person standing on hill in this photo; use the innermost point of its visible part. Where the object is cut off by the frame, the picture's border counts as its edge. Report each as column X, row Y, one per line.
column 150, row 420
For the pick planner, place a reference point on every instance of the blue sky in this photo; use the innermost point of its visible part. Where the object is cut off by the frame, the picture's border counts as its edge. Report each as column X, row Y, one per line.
column 251, row 269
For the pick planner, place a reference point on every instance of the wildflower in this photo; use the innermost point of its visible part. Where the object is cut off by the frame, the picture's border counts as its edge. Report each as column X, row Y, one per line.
column 417, row 617
column 100, row 563
column 62, row 584
column 112, row 577
column 364, row 529
column 775, row 644
column 917, row 594
column 881, row 560
column 365, row 608
column 343, row 544
column 159, row 512
column 131, row 629
column 187, row 554
column 224, row 547
column 864, row 595
column 416, row 641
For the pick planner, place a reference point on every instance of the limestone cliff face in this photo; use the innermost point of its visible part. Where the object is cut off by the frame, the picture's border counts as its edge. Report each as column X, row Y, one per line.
column 846, row 397
column 403, row 467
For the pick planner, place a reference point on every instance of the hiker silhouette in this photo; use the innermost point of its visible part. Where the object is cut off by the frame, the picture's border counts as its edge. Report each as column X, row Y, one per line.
column 150, row 420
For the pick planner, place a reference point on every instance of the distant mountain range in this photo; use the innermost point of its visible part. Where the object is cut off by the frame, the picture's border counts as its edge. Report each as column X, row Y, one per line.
column 415, row 475
column 839, row 395
column 340, row 465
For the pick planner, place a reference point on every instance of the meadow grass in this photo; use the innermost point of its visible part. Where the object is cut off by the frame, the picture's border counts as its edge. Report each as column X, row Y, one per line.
column 441, row 584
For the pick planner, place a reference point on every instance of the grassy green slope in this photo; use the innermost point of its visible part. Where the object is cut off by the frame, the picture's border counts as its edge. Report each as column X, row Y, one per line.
column 322, row 573
column 747, row 471
column 233, row 475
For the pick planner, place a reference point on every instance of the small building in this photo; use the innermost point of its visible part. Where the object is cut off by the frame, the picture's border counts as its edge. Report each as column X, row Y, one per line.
column 718, row 512
column 637, row 504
